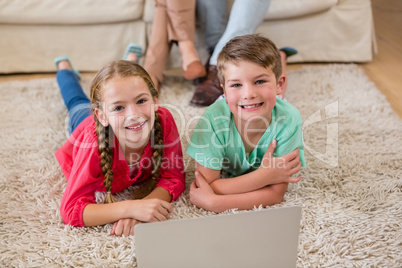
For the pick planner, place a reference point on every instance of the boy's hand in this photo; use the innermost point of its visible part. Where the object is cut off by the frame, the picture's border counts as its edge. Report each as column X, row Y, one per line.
column 281, row 168
column 151, row 210
column 124, row 227
column 201, row 193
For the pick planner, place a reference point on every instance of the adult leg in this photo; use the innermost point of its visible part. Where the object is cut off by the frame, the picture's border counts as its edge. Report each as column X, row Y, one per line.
column 245, row 16
column 181, row 28
column 174, row 20
column 158, row 49
column 181, row 15
column 212, row 17
column 77, row 103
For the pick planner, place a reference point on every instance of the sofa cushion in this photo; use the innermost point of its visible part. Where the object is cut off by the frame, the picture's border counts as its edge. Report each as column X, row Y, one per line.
column 280, row 9
column 69, row 11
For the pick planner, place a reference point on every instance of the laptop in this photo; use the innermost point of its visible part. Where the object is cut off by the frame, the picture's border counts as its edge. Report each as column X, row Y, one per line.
column 264, row 238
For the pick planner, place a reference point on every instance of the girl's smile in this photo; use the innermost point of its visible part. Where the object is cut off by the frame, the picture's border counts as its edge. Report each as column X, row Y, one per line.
column 129, row 108
column 136, row 126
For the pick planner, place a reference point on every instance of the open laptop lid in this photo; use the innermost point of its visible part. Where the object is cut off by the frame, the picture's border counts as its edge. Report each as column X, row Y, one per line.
column 264, row 238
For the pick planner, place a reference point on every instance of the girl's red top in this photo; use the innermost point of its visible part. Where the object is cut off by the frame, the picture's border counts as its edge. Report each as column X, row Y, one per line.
column 79, row 159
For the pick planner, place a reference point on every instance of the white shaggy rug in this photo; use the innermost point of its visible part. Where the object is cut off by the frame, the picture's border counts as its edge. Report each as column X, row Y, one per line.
column 350, row 191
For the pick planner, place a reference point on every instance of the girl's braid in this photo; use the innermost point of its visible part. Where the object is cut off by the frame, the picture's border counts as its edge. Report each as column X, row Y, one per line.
column 106, row 155
column 157, row 144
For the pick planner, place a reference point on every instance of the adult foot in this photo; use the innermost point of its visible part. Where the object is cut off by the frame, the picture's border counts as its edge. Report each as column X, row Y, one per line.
column 194, row 70
column 209, row 90
column 289, row 51
column 191, row 65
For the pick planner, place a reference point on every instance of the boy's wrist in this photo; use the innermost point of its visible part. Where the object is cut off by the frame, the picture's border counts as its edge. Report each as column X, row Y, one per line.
column 263, row 174
column 216, row 203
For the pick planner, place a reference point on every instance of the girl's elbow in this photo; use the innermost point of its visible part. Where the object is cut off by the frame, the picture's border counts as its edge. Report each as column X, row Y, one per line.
column 70, row 217
column 65, row 217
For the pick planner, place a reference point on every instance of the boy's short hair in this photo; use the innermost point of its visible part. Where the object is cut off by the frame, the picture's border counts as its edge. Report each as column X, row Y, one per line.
column 253, row 48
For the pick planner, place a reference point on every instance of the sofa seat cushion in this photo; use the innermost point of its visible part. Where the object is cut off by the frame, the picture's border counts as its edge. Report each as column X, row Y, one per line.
column 280, row 9
column 285, row 9
column 70, row 11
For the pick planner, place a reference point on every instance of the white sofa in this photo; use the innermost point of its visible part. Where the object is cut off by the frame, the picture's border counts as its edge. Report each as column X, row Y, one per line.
column 94, row 32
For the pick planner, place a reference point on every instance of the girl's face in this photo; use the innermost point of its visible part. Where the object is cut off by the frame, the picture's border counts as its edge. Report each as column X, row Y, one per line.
column 250, row 92
column 129, row 108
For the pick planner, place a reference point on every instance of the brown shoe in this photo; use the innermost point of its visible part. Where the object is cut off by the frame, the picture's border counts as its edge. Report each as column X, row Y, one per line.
column 194, row 70
column 209, row 90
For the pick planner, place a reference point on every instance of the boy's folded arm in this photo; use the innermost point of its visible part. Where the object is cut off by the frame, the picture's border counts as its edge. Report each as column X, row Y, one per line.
column 273, row 170
column 249, row 182
column 210, row 175
column 267, row 196
column 202, row 195
column 241, row 184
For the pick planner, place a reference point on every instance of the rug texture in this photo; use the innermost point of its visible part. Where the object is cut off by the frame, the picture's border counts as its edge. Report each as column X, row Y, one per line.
column 350, row 192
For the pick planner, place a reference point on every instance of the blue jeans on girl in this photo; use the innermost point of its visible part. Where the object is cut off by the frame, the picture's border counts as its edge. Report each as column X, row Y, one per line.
column 77, row 103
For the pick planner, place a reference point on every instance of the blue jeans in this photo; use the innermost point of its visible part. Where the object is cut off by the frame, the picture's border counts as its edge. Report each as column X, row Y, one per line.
column 245, row 17
column 212, row 17
column 77, row 103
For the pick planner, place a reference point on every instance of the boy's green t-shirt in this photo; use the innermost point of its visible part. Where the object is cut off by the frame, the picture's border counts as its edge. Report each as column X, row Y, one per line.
column 217, row 144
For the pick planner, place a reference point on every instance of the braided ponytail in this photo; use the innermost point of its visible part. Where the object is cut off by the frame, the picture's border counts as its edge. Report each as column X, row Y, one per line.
column 106, row 155
column 157, row 144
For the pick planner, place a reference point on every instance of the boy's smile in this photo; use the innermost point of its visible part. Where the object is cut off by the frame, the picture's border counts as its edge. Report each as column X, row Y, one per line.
column 250, row 92
column 251, row 107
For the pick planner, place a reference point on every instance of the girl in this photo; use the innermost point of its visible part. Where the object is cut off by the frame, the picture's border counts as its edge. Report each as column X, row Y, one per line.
column 129, row 140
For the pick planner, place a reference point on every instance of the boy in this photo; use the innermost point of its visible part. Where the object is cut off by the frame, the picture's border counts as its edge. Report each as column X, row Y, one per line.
column 239, row 133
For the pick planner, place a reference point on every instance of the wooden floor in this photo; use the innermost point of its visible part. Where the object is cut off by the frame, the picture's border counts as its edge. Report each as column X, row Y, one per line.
column 386, row 68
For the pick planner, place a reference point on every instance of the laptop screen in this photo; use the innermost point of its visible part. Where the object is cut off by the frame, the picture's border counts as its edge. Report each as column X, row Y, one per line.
column 263, row 238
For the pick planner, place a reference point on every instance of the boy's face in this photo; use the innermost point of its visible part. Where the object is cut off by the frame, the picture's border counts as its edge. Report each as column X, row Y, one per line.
column 250, row 91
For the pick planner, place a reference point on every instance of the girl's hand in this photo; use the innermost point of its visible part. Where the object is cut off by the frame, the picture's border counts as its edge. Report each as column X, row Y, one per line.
column 281, row 168
column 151, row 210
column 124, row 227
column 201, row 193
